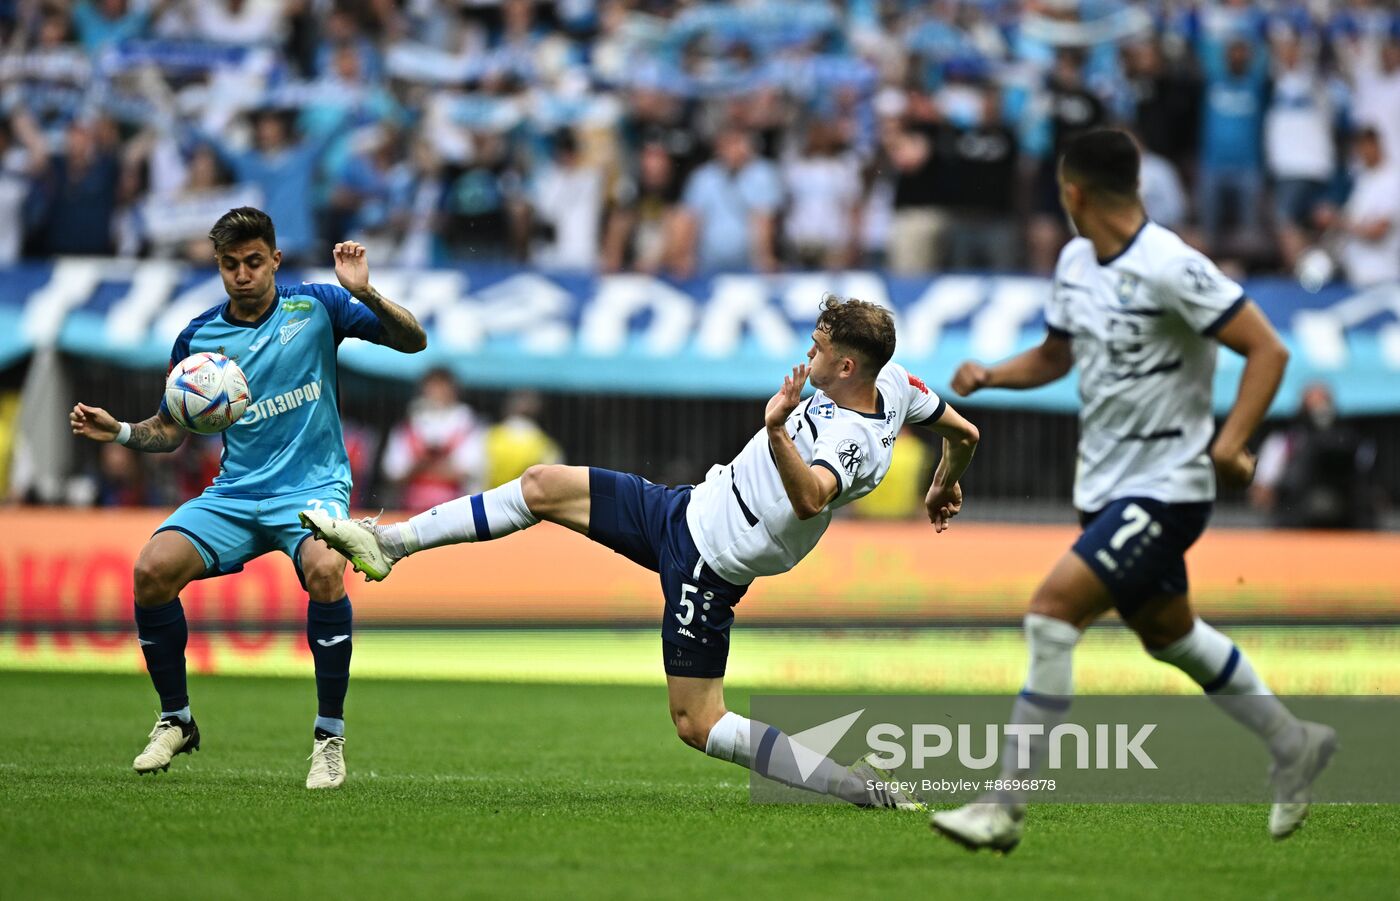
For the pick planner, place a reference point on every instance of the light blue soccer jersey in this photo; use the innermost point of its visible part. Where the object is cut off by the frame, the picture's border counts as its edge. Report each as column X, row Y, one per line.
column 289, row 440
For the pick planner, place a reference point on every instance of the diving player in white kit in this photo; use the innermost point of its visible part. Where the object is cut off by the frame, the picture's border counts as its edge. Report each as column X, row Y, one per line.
column 1140, row 313
column 755, row 516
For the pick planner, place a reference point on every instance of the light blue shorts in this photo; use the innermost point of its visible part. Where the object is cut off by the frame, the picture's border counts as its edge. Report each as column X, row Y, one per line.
column 230, row 531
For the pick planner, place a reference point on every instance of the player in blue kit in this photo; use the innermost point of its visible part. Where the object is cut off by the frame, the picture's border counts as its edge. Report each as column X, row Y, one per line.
column 284, row 456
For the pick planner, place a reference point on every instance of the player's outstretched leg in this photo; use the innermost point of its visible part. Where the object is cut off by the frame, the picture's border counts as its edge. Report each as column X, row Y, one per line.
column 558, row 494
column 165, row 566
column 329, row 635
column 1068, row 600
column 697, row 709
column 1301, row 750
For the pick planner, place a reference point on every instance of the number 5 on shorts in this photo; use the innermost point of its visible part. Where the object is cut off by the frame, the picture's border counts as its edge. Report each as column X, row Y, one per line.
column 687, row 603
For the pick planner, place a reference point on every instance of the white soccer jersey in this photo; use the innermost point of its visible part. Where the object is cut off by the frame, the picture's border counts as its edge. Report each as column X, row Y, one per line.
column 740, row 516
column 1141, row 326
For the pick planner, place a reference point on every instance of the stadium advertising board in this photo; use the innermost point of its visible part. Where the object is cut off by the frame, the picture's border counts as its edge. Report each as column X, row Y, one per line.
column 861, row 574
column 509, row 328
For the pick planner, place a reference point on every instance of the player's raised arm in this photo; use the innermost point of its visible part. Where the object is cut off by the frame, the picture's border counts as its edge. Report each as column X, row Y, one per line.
column 1047, row 362
column 960, row 438
column 402, row 330
column 157, row 435
column 1249, row 334
column 809, row 488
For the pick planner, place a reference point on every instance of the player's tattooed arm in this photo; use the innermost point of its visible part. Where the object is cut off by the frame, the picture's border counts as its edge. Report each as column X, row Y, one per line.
column 157, row 435
column 402, row 331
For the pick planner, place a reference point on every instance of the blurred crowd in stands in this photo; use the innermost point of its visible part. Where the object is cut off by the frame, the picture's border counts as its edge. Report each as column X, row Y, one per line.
column 681, row 136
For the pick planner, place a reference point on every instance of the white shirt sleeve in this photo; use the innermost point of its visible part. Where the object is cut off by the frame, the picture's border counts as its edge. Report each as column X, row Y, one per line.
column 846, row 453
column 1056, row 314
column 919, row 402
column 1195, row 288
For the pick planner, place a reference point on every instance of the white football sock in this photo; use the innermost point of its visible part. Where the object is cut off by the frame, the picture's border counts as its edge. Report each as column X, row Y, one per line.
column 480, row 517
column 1225, row 674
column 729, row 739
column 1050, row 643
column 1045, row 697
column 773, row 758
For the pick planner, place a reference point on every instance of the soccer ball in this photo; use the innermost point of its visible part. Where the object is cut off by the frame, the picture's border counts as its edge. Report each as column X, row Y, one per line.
column 206, row 393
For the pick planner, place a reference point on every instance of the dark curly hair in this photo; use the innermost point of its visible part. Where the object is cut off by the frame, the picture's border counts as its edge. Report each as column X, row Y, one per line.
column 242, row 224
column 858, row 328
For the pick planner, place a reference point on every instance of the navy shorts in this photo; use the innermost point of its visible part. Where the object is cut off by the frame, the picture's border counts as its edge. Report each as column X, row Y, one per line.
column 646, row 524
column 1137, row 547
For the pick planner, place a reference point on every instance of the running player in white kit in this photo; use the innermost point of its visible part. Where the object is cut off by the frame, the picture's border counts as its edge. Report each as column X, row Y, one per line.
column 758, row 515
column 1140, row 313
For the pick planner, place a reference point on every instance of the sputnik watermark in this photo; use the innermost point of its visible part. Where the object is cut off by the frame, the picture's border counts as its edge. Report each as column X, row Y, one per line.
column 1114, row 745
column 1087, row 749
column 1110, row 746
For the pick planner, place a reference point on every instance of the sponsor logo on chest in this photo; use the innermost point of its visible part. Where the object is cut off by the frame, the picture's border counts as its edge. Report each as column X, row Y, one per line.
column 281, row 403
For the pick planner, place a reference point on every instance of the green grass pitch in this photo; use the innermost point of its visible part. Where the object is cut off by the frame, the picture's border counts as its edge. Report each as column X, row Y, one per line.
column 463, row 789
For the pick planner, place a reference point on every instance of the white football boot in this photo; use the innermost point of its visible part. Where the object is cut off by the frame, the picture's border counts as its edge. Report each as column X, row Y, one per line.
column 1293, row 775
column 355, row 539
column 327, row 762
column 995, row 825
column 883, row 794
column 169, row 737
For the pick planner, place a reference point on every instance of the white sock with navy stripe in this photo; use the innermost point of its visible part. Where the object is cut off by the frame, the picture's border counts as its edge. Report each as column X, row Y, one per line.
column 1046, row 695
column 765, row 750
column 1225, row 674
column 480, row 517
